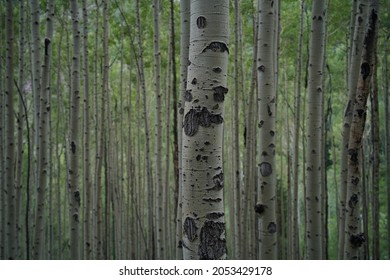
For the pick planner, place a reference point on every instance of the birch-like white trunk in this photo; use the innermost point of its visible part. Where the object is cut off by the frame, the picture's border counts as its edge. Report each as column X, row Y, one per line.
column 353, row 74
column 354, row 237
column 184, row 49
column 203, row 210
column 266, row 192
column 314, row 161
column 75, row 148
column 10, row 129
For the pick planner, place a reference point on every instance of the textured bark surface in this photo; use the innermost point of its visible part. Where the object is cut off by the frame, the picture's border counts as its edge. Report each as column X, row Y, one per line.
column 203, row 211
column 266, row 193
column 357, row 36
column 75, row 148
column 354, row 238
column 43, row 137
column 314, row 161
column 87, row 179
column 184, row 50
column 294, row 244
column 158, row 132
column 9, row 136
column 149, row 177
column 387, row 126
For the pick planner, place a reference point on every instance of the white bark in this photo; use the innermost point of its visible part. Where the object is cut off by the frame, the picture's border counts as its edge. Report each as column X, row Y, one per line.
column 203, row 211
column 266, row 193
column 314, row 160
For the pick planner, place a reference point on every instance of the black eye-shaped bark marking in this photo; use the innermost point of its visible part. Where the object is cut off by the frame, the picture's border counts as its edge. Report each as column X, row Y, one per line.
column 47, row 43
column 188, row 96
column 77, row 197
column 265, row 169
column 191, row 123
column 218, row 182
column 365, row 70
column 353, row 201
column 73, row 147
column 212, row 244
column 261, row 123
column 217, row 70
column 357, row 240
column 360, row 112
column 353, row 155
column 201, row 22
column 216, row 47
column 190, row 228
column 269, row 110
column 195, row 118
column 260, row 208
column 261, row 68
column 271, row 227
column 194, row 81
column 219, row 93
column 214, row 215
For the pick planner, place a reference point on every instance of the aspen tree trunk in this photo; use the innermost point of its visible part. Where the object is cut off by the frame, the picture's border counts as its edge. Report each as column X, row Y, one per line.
column 170, row 229
column 10, row 129
column 20, row 127
column 387, row 131
column 294, row 246
column 158, row 131
column 375, row 165
column 236, row 162
column 248, row 191
column 175, row 103
column 354, row 238
column 43, row 138
column 57, row 150
column 121, row 161
column 266, row 192
column 203, row 211
column 314, row 132
column 184, row 52
column 88, row 240
column 98, row 225
column 149, row 177
column 165, row 197
column 353, row 72
column 36, row 74
column 73, row 183
column 3, row 221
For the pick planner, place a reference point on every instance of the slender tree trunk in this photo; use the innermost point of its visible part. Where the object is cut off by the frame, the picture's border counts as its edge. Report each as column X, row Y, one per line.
column 184, row 62
column 236, row 162
column 314, row 132
column 10, row 129
column 375, row 165
column 387, row 131
column 100, row 135
column 148, row 167
column 266, row 193
column 248, row 191
column 88, row 240
column 353, row 72
column 43, row 136
column 354, row 238
column 57, row 150
column 20, row 128
column 74, row 190
column 294, row 247
column 158, row 131
column 203, row 211
column 3, row 209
